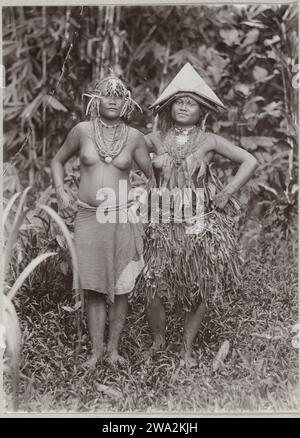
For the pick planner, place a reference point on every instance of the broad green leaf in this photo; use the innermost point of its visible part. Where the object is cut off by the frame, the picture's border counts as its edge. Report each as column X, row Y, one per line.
column 108, row 390
column 269, row 41
column 242, row 88
column 230, row 36
column 18, row 219
column 295, row 188
column 251, row 37
column 30, row 109
column 255, row 23
column 27, row 271
column 221, row 355
column 67, row 308
column 268, row 189
column 260, row 74
column 54, row 103
column 9, row 206
column 274, row 109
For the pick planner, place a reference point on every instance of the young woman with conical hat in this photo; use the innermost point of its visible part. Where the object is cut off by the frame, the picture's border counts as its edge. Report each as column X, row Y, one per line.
column 185, row 265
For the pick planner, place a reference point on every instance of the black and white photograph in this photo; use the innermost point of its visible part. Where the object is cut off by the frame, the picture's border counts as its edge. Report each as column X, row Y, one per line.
column 150, row 208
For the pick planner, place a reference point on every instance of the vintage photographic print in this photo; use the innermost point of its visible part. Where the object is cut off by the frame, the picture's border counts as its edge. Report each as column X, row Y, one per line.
column 150, row 187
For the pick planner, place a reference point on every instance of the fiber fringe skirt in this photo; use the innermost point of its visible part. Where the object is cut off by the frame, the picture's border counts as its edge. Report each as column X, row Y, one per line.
column 187, row 268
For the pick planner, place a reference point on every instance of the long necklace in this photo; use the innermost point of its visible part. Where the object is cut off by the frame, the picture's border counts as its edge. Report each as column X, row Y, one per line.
column 180, row 142
column 109, row 148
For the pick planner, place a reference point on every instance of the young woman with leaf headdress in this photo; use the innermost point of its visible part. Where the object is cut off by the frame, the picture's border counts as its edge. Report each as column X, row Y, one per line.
column 109, row 250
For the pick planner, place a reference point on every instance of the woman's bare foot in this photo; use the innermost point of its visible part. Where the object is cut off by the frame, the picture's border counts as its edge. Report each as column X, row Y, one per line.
column 92, row 362
column 96, row 356
column 115, row 358
column 187, row 359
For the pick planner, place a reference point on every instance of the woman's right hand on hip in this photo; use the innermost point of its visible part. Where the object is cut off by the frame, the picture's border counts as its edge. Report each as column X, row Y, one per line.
column 65, row 204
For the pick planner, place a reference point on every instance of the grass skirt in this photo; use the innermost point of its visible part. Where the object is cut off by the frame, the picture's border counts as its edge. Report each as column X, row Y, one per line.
column 186, row 268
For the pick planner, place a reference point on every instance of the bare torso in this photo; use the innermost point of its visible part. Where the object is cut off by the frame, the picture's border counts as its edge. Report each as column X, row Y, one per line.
column 204, row 153
column 95, row 173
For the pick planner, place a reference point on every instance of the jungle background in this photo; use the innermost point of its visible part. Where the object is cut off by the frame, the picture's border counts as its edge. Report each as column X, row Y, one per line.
column 247, row 348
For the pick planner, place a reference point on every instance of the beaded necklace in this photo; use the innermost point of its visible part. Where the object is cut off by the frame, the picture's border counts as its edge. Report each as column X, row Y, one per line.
column 108, row 148
column 179, row 142
column 106, row 125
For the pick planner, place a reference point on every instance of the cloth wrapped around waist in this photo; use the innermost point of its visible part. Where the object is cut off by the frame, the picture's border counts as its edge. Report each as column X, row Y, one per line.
column 109, row 253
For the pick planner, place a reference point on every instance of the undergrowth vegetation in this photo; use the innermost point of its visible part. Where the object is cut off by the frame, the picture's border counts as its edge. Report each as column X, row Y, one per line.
column 260, row 372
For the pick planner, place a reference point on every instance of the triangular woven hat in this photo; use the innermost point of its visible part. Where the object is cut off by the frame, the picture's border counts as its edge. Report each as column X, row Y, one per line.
column 188, row 80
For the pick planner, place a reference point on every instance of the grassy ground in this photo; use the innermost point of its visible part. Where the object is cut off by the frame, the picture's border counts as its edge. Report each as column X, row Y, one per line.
column 260, row 372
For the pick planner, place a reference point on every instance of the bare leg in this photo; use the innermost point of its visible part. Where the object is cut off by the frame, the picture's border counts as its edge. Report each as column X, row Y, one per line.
column 192, row 323
column 96, row 317
column 157, row 321
column 117, row 316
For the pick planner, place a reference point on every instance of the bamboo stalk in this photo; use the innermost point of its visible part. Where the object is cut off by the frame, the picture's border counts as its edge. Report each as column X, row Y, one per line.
column 163, row 78
column 32, row 145
column 291, row 153
column 99, row 53
column 116, row 37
